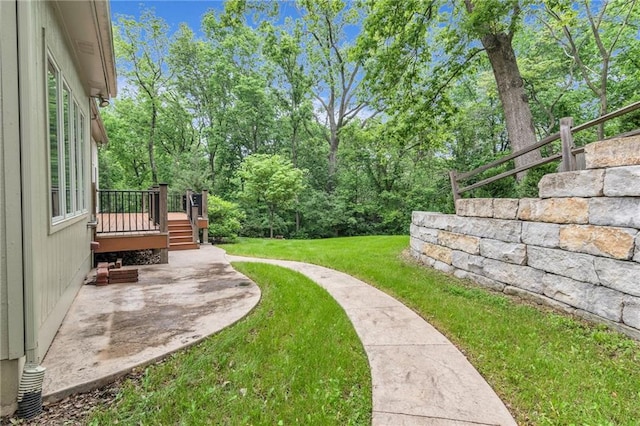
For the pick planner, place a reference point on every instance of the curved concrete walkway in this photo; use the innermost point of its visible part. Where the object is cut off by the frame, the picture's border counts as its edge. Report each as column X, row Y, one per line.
column 418, row 376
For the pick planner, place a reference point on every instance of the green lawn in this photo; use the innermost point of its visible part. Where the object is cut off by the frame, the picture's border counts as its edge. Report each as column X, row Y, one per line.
column 294, row 360
column 549, row 368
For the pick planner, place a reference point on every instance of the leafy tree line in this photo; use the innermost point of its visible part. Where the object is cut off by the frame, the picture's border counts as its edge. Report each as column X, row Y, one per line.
column 357, row 110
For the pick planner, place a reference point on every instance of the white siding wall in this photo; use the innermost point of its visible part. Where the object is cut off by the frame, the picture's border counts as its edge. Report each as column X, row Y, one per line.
column 11, row 314
column 57, row 257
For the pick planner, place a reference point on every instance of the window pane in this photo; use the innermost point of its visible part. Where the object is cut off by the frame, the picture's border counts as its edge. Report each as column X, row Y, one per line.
column 78, row 159
column 52, row 103
column 67, row 149
column 80, row 166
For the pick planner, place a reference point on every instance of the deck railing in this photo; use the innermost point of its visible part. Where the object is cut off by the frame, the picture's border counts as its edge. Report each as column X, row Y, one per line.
column 177, row 203
column 125, row 211
column 567, row 154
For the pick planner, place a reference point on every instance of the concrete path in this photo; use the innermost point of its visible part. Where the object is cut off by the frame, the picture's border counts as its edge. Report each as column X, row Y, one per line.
column 418, row 376
column 110, row 330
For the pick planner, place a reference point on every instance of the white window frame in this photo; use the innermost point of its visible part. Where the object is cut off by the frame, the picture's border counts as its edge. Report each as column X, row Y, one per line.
column 72, row 199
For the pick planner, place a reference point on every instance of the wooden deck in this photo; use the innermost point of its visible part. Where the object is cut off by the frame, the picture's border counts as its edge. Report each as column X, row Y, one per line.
column 125, row 223
column 127, row 232
column 131, row 231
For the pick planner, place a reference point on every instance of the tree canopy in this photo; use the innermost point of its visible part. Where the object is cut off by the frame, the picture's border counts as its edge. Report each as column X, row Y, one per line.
column 374, row 100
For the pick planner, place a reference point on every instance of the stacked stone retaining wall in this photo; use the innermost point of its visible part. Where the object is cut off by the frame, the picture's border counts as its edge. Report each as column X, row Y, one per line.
column 576, row 248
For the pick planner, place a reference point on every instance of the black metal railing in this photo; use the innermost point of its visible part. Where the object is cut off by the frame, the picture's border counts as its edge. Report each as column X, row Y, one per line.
column 177, row 203
column 128, row 210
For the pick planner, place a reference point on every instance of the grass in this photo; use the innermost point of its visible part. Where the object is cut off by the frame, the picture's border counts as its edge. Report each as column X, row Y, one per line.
column 549, row 368
column 294, row 360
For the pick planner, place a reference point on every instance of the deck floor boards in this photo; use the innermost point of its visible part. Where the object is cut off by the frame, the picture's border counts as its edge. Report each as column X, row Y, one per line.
column 125, row 224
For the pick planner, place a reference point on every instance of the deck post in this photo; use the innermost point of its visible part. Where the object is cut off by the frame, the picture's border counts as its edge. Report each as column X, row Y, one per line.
column 164, row 222
column 568, row 159
column 205, row 215
column 454, row 187
column 194, row 222
column 187, row 207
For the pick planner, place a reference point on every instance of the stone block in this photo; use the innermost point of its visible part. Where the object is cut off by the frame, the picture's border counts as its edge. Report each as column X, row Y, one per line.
column 636, row 256
column 506, row 252
column 428, row 235
column 541, row 234
column 421, row 218
column 497, row 229
column 615, row 211
column 443, row 254
column 539, row 299
column 426, row 260
column 516, row 275
column 622, row 182
column 476, row 207
column 467, row 262
column 554, row 210
column 631, row 312
column 617, row 243
column 461, row 242
column 416, row 244
column 581, row 183
column 441, row 221
column 578, row 266
column 598, row 300
column 505, row 208
column 479, row 279
column 613, row 153
column 619, row 275
column 443, row 267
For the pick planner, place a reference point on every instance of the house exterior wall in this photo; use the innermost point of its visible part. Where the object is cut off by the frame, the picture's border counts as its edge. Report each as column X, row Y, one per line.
column 42, row 264
column 11, row 291
column 57, row 256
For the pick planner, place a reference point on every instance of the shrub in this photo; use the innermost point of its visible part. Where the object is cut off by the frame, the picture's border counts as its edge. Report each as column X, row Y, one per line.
column 225, row 219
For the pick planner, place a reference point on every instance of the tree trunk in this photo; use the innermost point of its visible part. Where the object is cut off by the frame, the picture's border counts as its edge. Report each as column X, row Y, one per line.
column 151, row 144
column 516, row 108
column 271, row 223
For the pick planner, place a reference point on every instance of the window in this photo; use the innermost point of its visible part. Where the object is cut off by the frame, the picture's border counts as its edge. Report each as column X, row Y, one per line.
column 66, row 148
column 79, row 139
column 67, row 132
column 52, row 86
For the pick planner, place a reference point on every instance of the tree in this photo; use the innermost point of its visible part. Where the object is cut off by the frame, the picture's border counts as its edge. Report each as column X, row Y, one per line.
column 142, row 48
column 336, row 76
column 226, row 81
column 271, row 180
column 126, row 151
column 421, row 46
column 225, row 219
column 591, row 36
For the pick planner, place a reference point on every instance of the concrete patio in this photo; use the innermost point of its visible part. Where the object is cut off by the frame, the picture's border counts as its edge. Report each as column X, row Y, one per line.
column 110, row 330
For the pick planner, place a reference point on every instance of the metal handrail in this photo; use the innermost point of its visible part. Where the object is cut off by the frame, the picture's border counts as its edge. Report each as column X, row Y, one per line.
column 568, row 152
column 125, row 211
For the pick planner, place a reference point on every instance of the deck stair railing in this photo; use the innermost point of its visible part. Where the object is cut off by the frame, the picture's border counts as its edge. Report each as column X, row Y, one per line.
column 196, row 212
column 567, row 154
column 126, row 211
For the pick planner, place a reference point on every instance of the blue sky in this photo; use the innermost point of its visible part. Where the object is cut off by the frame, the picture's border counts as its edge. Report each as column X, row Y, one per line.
column 175, row 12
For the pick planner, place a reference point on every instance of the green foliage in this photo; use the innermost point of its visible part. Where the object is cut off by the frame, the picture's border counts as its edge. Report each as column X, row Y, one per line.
column 270, row 180
column 373, row 148
column 225, row 219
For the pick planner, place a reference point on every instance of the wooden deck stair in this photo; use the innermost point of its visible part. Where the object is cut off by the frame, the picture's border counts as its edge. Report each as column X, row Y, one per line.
column 181, row 235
